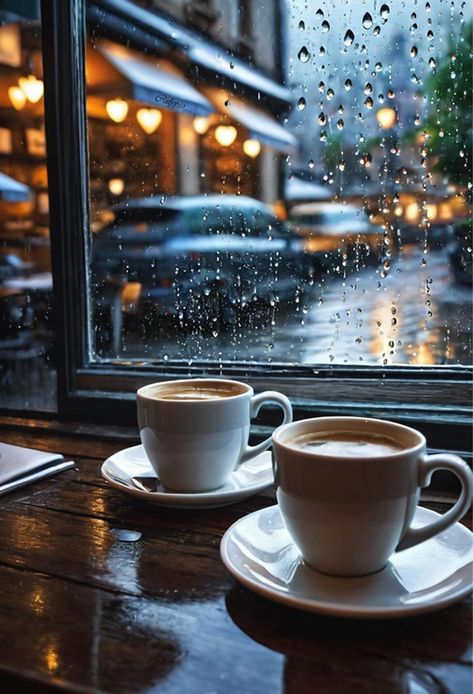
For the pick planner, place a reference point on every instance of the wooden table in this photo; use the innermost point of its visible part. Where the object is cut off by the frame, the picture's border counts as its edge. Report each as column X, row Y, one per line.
column 81, row 610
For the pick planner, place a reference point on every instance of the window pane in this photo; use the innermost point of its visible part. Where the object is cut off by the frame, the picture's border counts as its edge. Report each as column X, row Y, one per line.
column 27, row 373
column 281, row 182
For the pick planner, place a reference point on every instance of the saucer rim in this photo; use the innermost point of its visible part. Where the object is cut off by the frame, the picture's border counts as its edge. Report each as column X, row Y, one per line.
column 185, row 499
column 333, row 609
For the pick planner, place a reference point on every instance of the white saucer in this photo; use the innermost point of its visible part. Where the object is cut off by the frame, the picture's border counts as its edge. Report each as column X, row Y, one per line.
column 258, row 552
column 250, row 478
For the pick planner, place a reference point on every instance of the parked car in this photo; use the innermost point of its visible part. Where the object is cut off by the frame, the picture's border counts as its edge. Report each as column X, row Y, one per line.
column 332, row 229
column 199, row 259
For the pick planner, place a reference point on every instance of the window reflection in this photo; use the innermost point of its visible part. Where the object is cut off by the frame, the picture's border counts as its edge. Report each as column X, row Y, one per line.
column 285, row 158
column 27, row 376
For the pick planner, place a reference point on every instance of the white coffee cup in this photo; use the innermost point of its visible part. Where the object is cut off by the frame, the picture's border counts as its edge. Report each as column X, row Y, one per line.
column 195, row 431
column 346, row 513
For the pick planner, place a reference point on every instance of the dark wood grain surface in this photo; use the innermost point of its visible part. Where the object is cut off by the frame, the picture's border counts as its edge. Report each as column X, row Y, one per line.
column 81, row 610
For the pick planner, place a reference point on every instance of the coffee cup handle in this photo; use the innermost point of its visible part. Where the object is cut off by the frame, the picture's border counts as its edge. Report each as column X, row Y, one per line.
column 255, row 404
column 430, row 463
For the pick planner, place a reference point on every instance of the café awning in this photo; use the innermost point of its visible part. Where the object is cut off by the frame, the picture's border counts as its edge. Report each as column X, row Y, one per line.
column 260, row 125
column 155, row 82
column 13, row 191
column 200, row 51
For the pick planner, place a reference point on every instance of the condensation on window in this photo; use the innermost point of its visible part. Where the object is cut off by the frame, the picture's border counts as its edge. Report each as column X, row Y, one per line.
column 281, row 182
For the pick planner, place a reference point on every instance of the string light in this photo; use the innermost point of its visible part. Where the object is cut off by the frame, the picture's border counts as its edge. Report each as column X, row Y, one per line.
column 117, row 109
column 252, row 148
column 149, row 119
column 17, row 96
column 201, row 124
column 32, row 87
column 226, row 135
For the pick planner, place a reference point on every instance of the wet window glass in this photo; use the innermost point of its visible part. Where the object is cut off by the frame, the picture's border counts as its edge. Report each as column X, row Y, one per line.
column 280, row 182
column 27, row 369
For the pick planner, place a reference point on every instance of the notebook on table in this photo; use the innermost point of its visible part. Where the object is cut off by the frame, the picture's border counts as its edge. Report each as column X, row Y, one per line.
column 20, row 466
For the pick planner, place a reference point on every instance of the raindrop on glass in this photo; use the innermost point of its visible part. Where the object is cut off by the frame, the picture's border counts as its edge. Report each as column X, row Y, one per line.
column 384, row 11
column 367, row 21
column 368, row 88
column 340, row 123
column 325, row 26
column 414, row 51
column 301, row 104
column 302, row 25
column 377, row 30
column 303, row 55
column 330, row 93
column 321, row 119
column 348, row 85
column 368, row 102
column 349, row 38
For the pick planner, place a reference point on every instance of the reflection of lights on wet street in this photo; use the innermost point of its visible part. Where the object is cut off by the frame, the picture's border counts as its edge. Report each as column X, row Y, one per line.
column 51, row 658
column 413, row 314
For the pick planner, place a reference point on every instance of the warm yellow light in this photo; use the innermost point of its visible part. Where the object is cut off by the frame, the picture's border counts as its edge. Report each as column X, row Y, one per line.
column 251, row 148
column 226, row 135
column 398, row 211
column 149, row 119
column 386, row 117
column 116, row 186
column 412, row 212
column 32, row 87
column 201, row 124
column 117, row 109
column 445, row 212
column 17, row 97
column 431, row 212
column 131, row 292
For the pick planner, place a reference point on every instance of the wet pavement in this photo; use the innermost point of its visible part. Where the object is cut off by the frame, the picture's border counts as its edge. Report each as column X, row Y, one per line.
column 417, row 314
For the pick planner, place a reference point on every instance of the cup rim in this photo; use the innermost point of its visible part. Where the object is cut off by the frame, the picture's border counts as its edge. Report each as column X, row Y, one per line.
column 142, row 392
column 415, row 448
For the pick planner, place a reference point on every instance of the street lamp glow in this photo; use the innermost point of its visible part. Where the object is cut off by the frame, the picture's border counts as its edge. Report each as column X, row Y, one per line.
column 386, row 118
column 412, row 212
column 201, row 124
column 17, row 96
column 117, row 109
column 116, row 186
column 226, row 135
column 32, row 87
column 252, row 148
column 149, row 119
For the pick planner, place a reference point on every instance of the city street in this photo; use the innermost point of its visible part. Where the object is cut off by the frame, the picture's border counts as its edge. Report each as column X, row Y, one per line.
column 417, row 314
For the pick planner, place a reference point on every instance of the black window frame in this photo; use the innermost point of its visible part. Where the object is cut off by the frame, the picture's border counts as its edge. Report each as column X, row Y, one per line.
column 435, row 399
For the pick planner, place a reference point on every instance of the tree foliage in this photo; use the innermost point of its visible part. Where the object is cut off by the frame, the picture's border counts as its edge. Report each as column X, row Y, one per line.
column 449, row 117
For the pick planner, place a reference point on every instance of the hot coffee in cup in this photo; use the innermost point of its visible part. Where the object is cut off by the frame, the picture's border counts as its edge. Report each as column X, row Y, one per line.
column 348, row 487
column 195, row 431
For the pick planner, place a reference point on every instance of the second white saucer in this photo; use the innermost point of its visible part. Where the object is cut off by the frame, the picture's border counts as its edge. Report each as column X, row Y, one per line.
column 258, row 552
column 250, row 478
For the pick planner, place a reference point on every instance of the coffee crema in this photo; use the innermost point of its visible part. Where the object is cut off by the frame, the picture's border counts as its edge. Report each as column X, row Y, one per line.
column 200, row 392
column 347, row 444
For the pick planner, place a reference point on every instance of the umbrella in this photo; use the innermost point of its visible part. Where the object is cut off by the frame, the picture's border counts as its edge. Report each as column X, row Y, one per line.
column 13, row 191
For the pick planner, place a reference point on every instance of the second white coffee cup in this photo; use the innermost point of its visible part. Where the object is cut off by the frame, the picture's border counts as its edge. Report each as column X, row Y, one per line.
column 348, row 510
column 195, row 431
